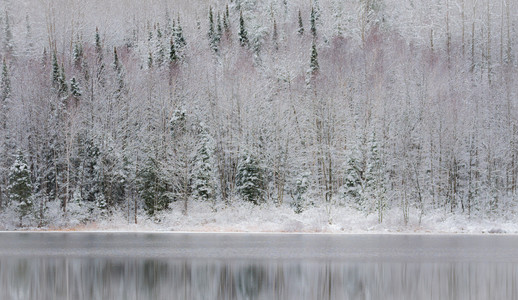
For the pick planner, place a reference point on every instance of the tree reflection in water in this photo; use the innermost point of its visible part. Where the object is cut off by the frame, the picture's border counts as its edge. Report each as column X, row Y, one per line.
column 97, row 278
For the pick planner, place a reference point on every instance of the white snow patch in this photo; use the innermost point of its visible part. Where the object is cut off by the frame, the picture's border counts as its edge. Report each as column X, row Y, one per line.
column 245, row 217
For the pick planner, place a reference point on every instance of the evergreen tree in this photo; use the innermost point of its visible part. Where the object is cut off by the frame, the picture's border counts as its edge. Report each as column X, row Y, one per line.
column 55, row 71
column 98, row 45
column 119, row 73
column 173, row 57
column 116, row 63
column 314, row 67
column 212, row 34
column 89, row 155
column 203, row 182
column 354, row 177
column 299, row 192
column 313, row 20
column 160, row 53
column 226, row 22
column 75, row 90
column 62, row 83
column 99, row 58
column 78, row 54
column 179, row 39
column 4, row 133
column 249, row 177
column 6, row 84
column 150, row 60
column 219, row 28
column 365, row 178
column 227, row 14
column 243, row 35
column 301, row 25
column 20, row 186
column 152, row 188
column 158, row 31
column 316, row 8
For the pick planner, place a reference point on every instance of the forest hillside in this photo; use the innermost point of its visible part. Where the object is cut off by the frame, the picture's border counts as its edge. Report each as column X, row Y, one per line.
column 147, row 108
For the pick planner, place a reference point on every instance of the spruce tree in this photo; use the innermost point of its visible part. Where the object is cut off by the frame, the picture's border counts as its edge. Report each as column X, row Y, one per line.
column 150, row 60
column 354, row 178
column 90, row 156
column 62, row 83
column 173, row 57
column 4, row 102
column 98, row 46
column 243, row 35
column 20, row 186
column 55, row 71
column 227, row 14
column 313, row 20
column 301, row 25
column 226, row 22
column 77, row 54
column 116, row 63
column 75, row 90
column 160, row 53
column 119, row 73
column 314, row 67
column 219, row 28
column 152, row 188
column 212, row 34
column 99, row 58
column 158, row 31
column 249, row 178
column 6, row 84
column 203, row 173
column 299, row 192
column 179, row 39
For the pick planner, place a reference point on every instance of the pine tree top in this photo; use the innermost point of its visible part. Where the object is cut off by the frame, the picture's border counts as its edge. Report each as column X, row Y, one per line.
column 243, row 35
column 6, row 81
column 314, row 67
column 301, row 25
column 313, row 20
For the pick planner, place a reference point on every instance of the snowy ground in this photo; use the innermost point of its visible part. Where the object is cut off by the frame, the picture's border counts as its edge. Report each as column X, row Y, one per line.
column 244, row 217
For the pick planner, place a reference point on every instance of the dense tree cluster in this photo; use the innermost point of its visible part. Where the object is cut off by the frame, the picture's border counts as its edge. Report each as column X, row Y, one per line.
column 371, row 103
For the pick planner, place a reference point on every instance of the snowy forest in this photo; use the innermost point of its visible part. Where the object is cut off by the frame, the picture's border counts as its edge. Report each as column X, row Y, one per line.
column 145, row 107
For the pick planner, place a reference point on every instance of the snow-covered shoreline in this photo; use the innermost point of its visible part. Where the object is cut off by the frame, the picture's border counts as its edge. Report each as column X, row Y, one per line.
column 268, row 218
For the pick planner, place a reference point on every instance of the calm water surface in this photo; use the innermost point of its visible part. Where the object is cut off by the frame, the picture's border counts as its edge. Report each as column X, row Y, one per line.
column 256, row 266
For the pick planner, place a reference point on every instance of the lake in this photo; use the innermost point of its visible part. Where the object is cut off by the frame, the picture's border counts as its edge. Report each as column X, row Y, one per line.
column 86, row 265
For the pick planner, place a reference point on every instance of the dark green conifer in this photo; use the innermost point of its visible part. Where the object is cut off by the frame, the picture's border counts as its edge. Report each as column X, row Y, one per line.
column 75, row 90
column 301, row 25
column 243, row 35
column 20, row 186
column 313, row 23
column 6, row 83
column 173, row 57
column 314, row 59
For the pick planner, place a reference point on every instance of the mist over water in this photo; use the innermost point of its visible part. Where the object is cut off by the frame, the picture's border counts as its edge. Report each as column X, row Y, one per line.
column 262, row 267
